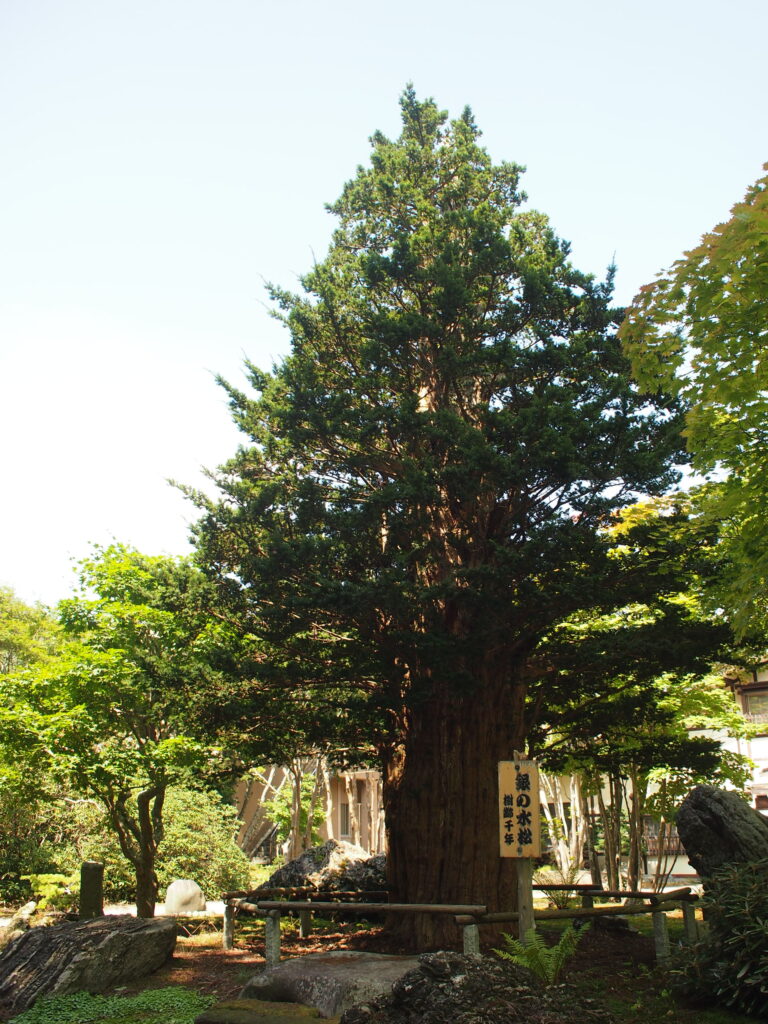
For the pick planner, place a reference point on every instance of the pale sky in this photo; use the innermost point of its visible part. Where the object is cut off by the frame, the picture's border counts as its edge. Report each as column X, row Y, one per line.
column 161, row 159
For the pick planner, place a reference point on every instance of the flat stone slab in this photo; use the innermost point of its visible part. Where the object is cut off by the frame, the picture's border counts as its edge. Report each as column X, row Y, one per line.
column 330, row 982
column 256, row 1011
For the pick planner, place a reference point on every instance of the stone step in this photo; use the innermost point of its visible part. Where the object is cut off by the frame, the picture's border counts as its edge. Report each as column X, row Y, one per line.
column 257, row 1011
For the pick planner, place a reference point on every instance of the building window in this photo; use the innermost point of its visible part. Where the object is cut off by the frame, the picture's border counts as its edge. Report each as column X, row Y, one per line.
column 757, row 703
column 761, row 802
column 344, row 820
column 757, row 708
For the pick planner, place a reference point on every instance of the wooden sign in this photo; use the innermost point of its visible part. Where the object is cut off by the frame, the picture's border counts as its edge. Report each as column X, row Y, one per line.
column 519, row 809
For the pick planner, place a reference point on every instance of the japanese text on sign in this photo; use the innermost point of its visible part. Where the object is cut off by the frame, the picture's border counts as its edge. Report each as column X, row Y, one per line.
column 519, row 812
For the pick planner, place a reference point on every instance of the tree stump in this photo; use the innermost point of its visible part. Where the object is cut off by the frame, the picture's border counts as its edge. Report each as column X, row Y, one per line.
column 83, row 955
column 717, row 827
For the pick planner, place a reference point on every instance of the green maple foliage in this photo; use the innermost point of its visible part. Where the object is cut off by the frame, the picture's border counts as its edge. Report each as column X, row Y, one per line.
column 701, row 329
column 115, row 714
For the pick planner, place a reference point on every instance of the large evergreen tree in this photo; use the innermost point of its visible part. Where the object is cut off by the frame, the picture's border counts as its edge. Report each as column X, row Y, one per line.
column 427, row 483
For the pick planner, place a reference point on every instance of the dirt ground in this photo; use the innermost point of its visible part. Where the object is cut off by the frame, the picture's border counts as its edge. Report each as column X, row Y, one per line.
column 614, row 959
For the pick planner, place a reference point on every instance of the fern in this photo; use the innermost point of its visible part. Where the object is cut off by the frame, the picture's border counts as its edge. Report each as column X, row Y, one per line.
column 545, row 962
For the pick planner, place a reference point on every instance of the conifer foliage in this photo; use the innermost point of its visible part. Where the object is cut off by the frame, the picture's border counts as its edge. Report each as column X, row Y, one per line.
column 425, row 483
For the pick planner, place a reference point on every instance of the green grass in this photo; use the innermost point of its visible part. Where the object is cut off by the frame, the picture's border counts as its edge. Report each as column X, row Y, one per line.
column 175, row 1005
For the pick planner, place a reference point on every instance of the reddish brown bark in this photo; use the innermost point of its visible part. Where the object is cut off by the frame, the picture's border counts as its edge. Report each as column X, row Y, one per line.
column 441, row 799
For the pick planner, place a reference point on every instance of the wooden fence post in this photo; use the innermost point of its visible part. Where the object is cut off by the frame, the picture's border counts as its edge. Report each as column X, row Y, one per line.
column 689, row 916
column 525, row 922
column 91, row 890
column 471, row 936
column 228, row 933
column 272, row 938
column 305, row 923
column 660, row 934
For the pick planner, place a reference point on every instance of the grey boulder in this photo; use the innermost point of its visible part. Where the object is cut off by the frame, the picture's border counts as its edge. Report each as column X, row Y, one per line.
column 184, row 897
column 331, row 982
column 79, row 956
column 334, row 865
column 717, row 827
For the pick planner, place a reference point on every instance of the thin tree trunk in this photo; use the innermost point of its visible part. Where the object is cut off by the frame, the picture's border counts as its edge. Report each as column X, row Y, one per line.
column 294, row 840
column 139, row 838
column 354, row 817
column 578, row 823
column 328, row 800
column 556, row 823
column 146, row 887
column 307, row 839
column 611, row 838
column 379, row 840
column 594, row 859
column 635, row 809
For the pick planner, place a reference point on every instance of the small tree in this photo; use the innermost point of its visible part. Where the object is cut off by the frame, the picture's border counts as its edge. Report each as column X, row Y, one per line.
column 198, row 842
column 29, row 634
column 634, row 685
column 114, row 715
column 30, row 638
column 701, row 329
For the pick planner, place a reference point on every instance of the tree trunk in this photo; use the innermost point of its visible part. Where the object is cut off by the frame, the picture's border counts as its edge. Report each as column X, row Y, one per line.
column 594, row 859
column 442, row 815
column 294, row 839
column 578, row 824
column 611, row 819
column 316, row 789
column 635, row 809
column 350, row 786
column 139, row 838
column 328, row 800
column 146, row 887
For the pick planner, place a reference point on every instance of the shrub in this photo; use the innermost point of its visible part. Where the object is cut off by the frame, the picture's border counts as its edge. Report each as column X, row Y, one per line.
column 730, row 964
column 54, row 891
column 28, row 842
column 56, row 833
column 198, row 843
column 560, row 899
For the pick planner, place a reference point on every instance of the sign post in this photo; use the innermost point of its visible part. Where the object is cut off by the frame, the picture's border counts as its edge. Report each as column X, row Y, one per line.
column 520, row 829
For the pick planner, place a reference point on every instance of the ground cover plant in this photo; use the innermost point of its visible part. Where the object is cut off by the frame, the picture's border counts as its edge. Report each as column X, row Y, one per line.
column 173, row 1005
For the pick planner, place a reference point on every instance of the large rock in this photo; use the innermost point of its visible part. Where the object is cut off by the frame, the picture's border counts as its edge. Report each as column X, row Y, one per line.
column 83, row 955
column 254, row 1011
column 335, row 865
column 17, row 924
column 450, row 988
column 331, row 982
column 184, row 897
column 717, row 827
